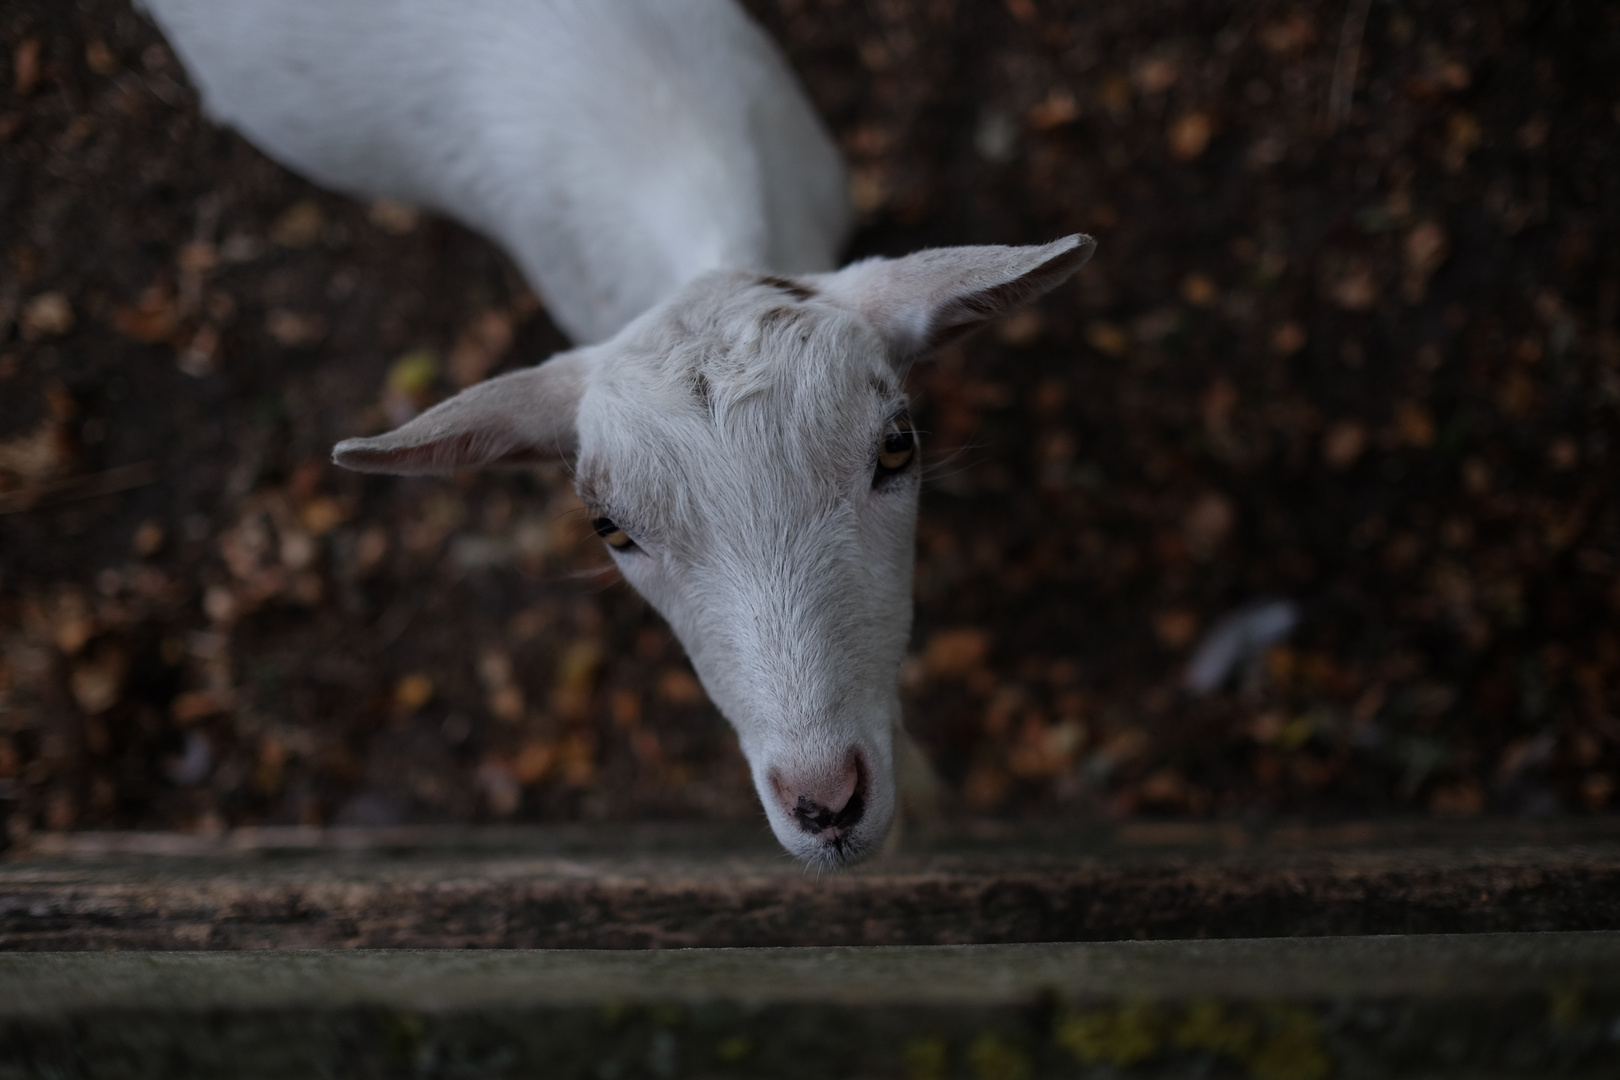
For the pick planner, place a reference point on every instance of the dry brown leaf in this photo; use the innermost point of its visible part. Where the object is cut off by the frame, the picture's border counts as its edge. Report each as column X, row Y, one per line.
column 1107, row 338
column 154, row 318
column 1414, row 425
column 1058, row 109
column 1426, row 251
column 25, row 66
column 1155, row 74
column 412, row 692
column 1189, row 135
column 1357, row 290
column 1288, row 339
column 46, row 315
column 291, row 330
column 480, row 346
column 299, row 226
column 394, row 217
column 1176, row 628
column 1208, row 523
column 957, row 652
column 100, row 58
column 1200, row 290
column 1343, row 444
column 97, row 684
column 677, row 687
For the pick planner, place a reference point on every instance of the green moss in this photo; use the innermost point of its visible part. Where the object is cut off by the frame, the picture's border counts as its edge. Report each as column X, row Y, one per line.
column 925, row 1058
column 1123, row 1036
column 734, row 1049
column 1564, row 1007
column 1291, row 1048
column 1210, row 1027
column 994, row 1058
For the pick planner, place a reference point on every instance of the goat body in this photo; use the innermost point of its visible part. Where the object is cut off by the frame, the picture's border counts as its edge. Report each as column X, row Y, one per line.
column 738, row 418
column 616, row 148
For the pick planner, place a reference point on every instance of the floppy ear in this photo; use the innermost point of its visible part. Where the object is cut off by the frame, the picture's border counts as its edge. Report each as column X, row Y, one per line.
column 925, row 300
column 519, row 418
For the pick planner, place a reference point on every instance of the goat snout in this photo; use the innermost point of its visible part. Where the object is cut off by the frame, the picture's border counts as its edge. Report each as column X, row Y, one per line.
column 827, row 805
column 813, row 818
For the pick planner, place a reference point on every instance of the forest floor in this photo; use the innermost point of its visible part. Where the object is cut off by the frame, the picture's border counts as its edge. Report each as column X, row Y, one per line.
column 1349, row 341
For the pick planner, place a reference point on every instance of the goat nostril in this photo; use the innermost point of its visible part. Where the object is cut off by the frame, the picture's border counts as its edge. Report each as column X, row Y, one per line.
column 813, row 817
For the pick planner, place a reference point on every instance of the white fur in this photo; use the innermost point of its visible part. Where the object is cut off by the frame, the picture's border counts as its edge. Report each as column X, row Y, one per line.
column 616, row 148
column 732, row 430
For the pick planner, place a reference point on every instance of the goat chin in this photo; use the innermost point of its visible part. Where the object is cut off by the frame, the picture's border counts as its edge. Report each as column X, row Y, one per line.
column 736, row 414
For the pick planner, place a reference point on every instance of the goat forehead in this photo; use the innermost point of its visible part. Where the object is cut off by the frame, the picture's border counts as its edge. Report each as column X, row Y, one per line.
column 744, row 399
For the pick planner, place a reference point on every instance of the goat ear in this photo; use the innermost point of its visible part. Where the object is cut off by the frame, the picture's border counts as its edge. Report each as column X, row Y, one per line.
column 927, row 299
column 520, row 418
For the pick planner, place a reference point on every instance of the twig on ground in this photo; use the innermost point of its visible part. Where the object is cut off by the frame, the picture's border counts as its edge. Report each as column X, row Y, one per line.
column 1342, row 92
column 79, row 488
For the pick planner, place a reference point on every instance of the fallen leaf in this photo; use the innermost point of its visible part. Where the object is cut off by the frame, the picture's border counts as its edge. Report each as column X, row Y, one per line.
column 100, row 58
column 1155, row 74
column 956, row 653
column 194, row 705
column 506, row 703
column 1058, row 109
column 412, row 692
column 502, row 793
column 1343, row 444
column 1426, row 251
column 97, row 684
column 394, row 217
column 25, row 66
column 1107, row 338
column 1023, row 329
column 1288, row 35
column 1189, row 135
column 868, row 189
column 1357, row 290
column 299, row 226
column 479, row 346
column 46, row 315
column 154, row 317
column 534, row 760
column 677, row 687
column 1563, row 454
column 1414, row 425
column 985, row 787
column 408, row 387
column 1199, row 290
column 1288, row 339
column 1463, row 799
column 1175, row 628
column 291, row 330
column 40, row 455
column 148, row 539
column 1207, row 524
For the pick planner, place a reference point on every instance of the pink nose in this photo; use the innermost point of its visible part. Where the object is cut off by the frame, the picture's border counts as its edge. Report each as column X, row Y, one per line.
column 833, row 800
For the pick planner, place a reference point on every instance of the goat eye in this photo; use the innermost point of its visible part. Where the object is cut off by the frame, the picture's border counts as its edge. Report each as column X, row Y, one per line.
column 898, row 446
column 614, row 536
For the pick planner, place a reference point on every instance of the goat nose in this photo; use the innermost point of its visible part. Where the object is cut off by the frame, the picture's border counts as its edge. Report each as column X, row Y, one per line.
column 836, row 803
column 813, row 818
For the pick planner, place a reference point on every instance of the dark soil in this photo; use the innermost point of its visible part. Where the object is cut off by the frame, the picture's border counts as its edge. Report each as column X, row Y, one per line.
column 1349, row 339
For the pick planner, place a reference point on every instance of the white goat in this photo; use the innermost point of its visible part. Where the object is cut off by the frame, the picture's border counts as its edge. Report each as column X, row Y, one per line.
column 740, row 432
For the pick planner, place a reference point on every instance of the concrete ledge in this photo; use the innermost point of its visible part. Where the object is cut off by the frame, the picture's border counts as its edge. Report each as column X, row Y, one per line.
column 1293, row 1009
column 719, row 887
column 1436, row 966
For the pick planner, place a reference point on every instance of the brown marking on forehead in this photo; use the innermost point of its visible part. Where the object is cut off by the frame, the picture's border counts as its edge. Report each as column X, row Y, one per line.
column 592, row 486
column 783, row 315
column 882, row 386
column 797, row 290
column 703, row 392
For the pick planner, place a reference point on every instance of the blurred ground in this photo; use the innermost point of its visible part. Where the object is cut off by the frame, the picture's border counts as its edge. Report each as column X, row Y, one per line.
column 1350, row 339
